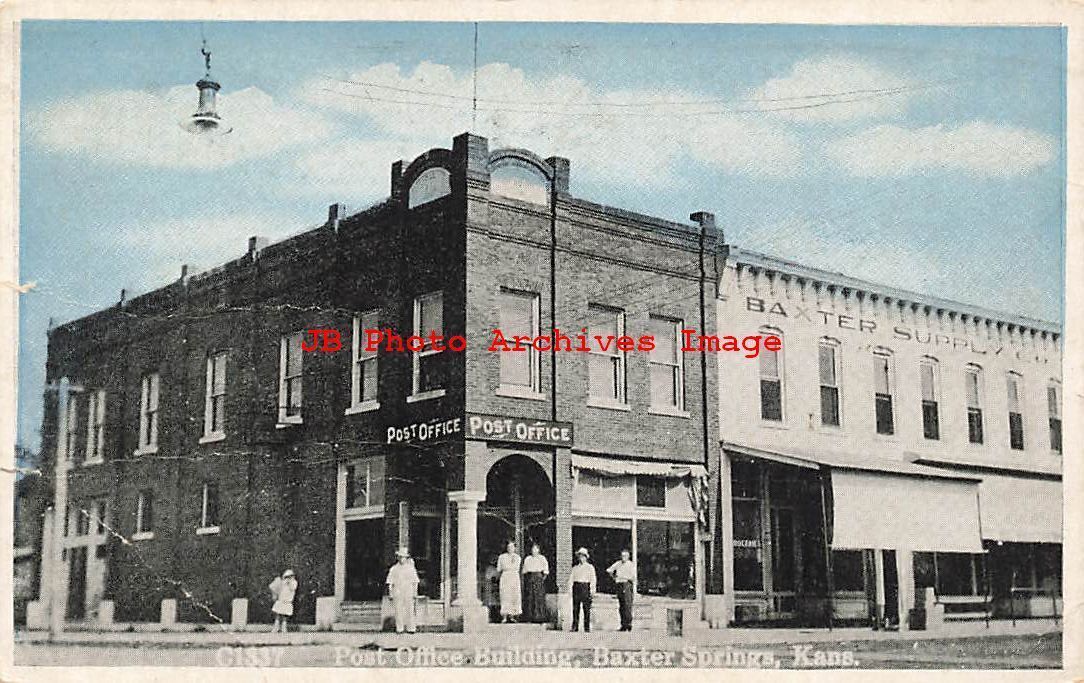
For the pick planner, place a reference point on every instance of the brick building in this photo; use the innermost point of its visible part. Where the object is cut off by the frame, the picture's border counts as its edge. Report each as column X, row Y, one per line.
column 203, row 451
column 897, row 443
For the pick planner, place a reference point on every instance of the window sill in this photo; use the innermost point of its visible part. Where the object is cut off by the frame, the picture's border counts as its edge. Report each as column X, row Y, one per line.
column 425, row 396
column 211, row 438
column 288, row 422
column 513, row 391
column 143, row 536
column 146, row 450
column 207, row 530
column 772, row 424
column 99, row 461
column 608, row 405
column 668, row 411
column 363, row 407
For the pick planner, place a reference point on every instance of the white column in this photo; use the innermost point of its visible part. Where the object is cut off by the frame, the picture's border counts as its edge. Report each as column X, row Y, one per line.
column 879, row 587
column 467, row 545
column 340, row 534
column 905, row 572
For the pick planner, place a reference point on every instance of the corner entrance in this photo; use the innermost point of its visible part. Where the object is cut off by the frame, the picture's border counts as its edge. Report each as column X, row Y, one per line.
column 518, row 508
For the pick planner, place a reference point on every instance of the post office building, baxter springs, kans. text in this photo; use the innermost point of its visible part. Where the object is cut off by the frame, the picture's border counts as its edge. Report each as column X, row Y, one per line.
column 202, row 452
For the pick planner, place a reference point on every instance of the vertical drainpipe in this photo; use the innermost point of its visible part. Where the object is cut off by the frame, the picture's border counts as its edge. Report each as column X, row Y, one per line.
column 553, row 321
column 705, row 220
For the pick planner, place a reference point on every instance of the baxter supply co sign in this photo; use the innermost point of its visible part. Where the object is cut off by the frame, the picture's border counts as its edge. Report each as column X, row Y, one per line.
column 485, row 428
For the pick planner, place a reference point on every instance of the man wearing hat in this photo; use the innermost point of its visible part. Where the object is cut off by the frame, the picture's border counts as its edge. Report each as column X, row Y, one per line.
column 582, row 586
column 403, row 588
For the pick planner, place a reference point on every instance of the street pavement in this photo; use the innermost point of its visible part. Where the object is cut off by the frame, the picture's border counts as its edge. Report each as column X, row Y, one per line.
column 1029, row 645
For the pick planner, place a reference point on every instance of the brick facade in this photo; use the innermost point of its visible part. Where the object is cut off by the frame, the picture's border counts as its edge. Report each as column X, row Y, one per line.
column 276, row 483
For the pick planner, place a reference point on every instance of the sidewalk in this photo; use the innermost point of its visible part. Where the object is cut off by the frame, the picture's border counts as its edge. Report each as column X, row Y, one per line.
column 547, row 639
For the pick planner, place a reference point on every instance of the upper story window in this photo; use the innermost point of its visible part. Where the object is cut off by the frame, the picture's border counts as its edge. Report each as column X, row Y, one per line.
column 208, row 516
column 771, row 383
column 365, row 366
column 148, row 412
column 520, row 370
column 99, row 510
column 883, row 385
column 650, row 491
column 1053, row 403
column 667, row 367
column 1014, row 383
column 606, row 362
column 290, row 378
column 427, row 363
column 521, row 183
column 930, row 380
column 829, row 362
column 71, row 434
column 144, row 527
column 365, row 483
column 95, row 426
column 214, row 404
column 430, row 184
column 973, row 391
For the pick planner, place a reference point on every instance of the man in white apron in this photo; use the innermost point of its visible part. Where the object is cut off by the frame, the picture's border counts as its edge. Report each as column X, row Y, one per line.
column 403, row 588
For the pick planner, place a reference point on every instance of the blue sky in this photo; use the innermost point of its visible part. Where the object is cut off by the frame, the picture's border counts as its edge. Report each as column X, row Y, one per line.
column 926, row 158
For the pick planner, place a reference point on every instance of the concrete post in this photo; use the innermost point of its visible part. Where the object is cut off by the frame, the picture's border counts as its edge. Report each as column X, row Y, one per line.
column 905, row 571
column 168, row 613
column 239, row 613
column 105, row 613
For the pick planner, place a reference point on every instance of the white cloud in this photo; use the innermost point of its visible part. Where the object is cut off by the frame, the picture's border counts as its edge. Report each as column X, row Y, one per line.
column 202, row 241
column 834, row 89
column 135, row 127
column 978, row 148
column 641, row 145
column 356, row 170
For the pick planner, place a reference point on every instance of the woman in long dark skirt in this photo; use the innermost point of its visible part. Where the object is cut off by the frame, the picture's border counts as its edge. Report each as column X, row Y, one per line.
column 535, row 569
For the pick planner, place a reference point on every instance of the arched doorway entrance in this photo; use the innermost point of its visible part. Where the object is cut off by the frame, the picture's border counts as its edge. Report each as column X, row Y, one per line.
column 519, row 507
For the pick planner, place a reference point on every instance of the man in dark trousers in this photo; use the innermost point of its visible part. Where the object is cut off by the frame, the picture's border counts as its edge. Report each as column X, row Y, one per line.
column 624, row 575
column 582, row 586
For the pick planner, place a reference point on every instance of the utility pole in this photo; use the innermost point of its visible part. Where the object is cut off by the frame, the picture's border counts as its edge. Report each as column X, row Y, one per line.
column 58, row 594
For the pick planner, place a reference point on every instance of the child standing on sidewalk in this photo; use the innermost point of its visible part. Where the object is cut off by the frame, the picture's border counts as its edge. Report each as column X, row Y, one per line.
column 283, row 589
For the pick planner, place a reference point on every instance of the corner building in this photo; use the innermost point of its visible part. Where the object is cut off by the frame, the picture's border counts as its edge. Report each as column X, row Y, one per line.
column 203, row 450
column 898, row 460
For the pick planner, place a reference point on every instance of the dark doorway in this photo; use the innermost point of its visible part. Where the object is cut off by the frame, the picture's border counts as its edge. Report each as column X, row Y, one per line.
column 892, row 589
column 77, row 582
column 518, row 508
column 365, row 570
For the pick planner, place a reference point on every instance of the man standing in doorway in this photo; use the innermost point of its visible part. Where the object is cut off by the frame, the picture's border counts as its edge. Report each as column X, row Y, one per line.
column 403, row 588
column 582, row 586
column 624, row 575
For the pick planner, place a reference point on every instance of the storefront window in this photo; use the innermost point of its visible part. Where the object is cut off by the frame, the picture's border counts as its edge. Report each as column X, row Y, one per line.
column 664, row 558
column 605, row 545
column 847, row 570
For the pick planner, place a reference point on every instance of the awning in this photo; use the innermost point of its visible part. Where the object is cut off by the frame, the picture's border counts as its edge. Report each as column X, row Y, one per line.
column 882, row 510
column 880, row 502
column 1020, row 509
column 616, row 467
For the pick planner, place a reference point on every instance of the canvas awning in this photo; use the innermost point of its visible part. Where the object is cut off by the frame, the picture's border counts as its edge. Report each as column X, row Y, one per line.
column 883, row 510
column 616, row 467
column 1020, row 509
column 879, row 502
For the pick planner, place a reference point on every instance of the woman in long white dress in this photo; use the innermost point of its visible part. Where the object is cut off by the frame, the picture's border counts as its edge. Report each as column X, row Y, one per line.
column 508, row 566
